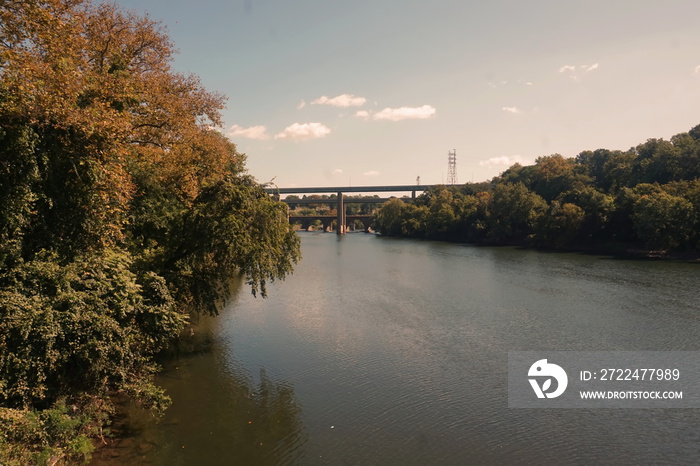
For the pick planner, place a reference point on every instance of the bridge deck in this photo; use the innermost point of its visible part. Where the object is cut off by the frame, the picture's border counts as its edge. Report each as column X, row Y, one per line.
column 349, row 189
column 346, row 200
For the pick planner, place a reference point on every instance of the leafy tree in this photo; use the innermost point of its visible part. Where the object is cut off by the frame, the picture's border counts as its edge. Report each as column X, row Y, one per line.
column 560, row 225
column 85, row 327
column 517, row 173
column 472, row 189
column 597, row 166
column 689, row 153
column 467, row 215
column 74, row 334
column 441, row 217
column 389, row 218
column 414, row 221
column 513, row 213
column 232, row 226
column 597, row 209
column 555, row 174
column 658, row 161
column 664, row 221
column 122, row 212
column 619, row 171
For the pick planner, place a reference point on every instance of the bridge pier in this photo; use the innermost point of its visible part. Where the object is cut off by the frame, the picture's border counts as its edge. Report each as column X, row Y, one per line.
column 341, row 215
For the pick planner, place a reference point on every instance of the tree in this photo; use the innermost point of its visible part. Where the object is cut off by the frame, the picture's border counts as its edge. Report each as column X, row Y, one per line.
column 658, row 161
column 554, row 175
column 664, row 221
column 560, row 225
column 619, row 170
column 468, row 217
column 388, row 219
column 414, row 220
column 595, row 163
column 689, row 154
column 597, row 209
column 91, row 88
column 441, row 217
column 513, row 213
column 123, row 212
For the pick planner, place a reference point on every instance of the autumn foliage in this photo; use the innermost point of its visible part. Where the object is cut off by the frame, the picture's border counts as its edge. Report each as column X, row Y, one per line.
column 122, row 212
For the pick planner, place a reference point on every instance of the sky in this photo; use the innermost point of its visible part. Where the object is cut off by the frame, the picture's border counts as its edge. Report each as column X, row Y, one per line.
column 377, row 92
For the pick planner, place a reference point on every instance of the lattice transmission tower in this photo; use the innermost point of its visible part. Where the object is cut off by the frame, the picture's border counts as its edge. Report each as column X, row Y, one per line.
column 452, row 167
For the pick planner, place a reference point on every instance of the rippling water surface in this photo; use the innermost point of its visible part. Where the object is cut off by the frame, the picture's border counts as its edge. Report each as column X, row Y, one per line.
column 384, row 351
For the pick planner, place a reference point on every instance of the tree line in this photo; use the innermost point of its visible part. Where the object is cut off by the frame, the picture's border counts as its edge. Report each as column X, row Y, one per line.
column 644, row 199
column 122, row 213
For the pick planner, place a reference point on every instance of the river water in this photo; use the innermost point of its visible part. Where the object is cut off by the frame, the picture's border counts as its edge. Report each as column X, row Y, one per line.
column 381, row 351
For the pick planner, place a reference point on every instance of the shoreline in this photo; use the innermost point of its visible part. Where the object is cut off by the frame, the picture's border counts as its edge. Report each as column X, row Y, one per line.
column 620, row 251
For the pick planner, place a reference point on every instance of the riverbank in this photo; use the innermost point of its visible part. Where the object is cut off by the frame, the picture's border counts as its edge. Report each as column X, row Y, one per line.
column 134, row 433
column 621, row 250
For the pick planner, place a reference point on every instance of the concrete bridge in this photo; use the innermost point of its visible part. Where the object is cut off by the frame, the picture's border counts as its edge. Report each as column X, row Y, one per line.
column 340, row 201
column 333, row 201
column 306, row 221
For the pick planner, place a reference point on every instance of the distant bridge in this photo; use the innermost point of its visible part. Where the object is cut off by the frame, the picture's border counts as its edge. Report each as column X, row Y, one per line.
column 347, row 200
column 306, row 221
column 340, row 201
column 413, row 188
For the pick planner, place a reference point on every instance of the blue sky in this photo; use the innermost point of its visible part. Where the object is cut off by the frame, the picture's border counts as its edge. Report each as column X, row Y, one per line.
column 326, row 93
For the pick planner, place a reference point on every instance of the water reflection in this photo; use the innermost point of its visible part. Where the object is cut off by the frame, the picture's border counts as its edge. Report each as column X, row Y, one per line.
column 221, row 414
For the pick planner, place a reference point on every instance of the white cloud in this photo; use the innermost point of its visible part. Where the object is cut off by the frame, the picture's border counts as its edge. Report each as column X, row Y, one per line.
column 528, row 83
column 343, row 100
column 362, row 114
column 515, row 110
column 406, row 113
column 301, row 104
column 497, row 84
column 252, row 132
column 697, row 70
column 371, row 173
column 566, row 68
column 503, row 160
column 571, row 70
column 337, row 171
column 304, row 131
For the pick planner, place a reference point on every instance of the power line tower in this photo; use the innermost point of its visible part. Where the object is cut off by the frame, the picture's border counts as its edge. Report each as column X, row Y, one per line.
column 452, row 167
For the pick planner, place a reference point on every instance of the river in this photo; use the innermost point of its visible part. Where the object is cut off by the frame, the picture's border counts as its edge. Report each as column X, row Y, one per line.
column 381, row 351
